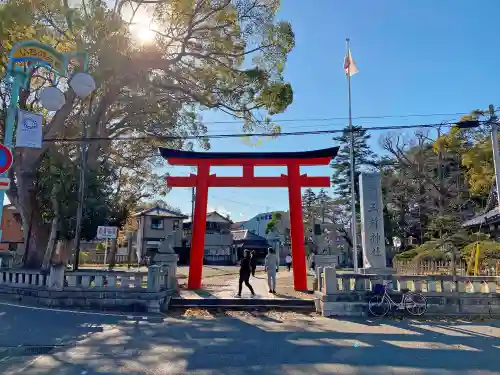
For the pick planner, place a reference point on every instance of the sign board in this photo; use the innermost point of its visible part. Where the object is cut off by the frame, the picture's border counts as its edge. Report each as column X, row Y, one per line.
column 38, row 52
column 29, row 129
column 326, row 260
column 107, row 232
column 4, row 184
column 372, row 221
column 5, row 159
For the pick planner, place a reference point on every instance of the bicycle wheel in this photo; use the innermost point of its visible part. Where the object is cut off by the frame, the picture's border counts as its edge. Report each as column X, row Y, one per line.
column 415, row 304
column 378, row 305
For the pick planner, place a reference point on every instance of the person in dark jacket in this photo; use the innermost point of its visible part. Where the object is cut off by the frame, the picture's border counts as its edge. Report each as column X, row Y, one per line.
column 253, row 262
column 245, row 271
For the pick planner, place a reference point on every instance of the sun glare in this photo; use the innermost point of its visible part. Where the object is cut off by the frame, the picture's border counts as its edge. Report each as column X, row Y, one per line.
column 144, row 34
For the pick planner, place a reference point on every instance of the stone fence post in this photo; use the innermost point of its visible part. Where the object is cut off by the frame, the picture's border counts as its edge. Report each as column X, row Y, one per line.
column 154, row 273
column 331, row 285
column 55, row 280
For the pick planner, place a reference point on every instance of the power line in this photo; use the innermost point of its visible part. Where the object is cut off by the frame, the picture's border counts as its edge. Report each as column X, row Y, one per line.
column 243, row 135
column 346, row 118
column 238, row 202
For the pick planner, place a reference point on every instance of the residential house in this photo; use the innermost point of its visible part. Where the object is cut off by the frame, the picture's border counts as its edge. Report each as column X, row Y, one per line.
column 12, row 235
column 246, row 240
column 153, row 226
column 218, row 239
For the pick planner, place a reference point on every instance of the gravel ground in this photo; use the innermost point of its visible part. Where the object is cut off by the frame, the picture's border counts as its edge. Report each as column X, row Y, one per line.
column 216, row 276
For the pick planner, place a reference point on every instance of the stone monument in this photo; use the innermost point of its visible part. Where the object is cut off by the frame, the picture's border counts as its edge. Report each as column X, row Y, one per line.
column 372, row 225
column 167, row 259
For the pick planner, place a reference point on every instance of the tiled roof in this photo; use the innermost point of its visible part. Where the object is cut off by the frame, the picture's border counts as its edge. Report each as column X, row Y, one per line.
column 245, row 234
column 163, row 212
column 214, row 217
column 492, row 216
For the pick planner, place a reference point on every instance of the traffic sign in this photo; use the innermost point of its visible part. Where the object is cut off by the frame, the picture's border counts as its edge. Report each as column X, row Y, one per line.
column 4, row 184
column 5, row 159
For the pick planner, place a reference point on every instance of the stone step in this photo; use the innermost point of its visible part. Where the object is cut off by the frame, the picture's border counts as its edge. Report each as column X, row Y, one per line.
column 242, row 303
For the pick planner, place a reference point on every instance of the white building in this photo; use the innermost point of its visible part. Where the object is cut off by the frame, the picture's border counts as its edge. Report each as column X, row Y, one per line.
column 258, row 224
column 279, row 240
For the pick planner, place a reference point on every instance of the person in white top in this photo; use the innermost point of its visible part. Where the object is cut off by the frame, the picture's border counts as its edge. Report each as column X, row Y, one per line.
column 288, row 261
column 271, row 265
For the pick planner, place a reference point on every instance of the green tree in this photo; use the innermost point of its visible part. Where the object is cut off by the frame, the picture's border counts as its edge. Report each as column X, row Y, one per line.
column 309, row 201
column 363, row 161
column 226, row 56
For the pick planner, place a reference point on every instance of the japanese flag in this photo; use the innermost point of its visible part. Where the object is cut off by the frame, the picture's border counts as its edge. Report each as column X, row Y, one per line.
column 350, row 67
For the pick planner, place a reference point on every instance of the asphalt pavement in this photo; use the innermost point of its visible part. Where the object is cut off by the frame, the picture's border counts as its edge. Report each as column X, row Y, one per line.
column 39, row 341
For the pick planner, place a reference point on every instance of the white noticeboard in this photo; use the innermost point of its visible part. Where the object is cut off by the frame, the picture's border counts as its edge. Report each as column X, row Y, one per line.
column 107, row 232
column 29, row 129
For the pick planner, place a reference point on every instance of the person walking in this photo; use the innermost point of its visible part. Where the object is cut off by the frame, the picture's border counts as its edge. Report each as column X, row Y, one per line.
column 253, row 262
column 245, row 271
column 288, row 261
column 271, row 264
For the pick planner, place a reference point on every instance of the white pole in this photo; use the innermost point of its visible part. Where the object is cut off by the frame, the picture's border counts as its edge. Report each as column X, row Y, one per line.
column 105, row 253
column 352, row 170
column 496, row 159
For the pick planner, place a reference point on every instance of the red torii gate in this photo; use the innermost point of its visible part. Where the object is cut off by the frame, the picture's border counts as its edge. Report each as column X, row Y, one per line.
column 293, row 180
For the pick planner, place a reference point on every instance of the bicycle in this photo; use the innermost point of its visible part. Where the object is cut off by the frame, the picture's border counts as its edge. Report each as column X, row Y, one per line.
column 380, row 304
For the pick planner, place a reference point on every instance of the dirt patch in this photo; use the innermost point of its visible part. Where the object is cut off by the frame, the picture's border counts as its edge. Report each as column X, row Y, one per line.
column 281, row 315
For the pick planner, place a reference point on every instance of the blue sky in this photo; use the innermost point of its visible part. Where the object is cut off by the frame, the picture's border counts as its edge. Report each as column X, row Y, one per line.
column 426, row 57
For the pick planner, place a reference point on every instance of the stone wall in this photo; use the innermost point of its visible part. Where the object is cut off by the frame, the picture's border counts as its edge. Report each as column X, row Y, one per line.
column 348, row 294
column 98, row 290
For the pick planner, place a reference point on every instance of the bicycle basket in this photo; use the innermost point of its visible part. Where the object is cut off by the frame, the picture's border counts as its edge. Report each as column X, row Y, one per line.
column 379, row 288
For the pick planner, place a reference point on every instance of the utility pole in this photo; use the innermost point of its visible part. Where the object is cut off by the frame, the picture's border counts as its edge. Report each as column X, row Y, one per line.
column 496, row 153
column 81, row 193
column 441, row 182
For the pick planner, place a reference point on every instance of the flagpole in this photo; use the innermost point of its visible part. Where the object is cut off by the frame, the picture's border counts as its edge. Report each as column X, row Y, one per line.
column 352, row 169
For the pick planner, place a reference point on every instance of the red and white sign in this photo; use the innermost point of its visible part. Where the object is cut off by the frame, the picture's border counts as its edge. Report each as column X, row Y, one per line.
column 4, row 183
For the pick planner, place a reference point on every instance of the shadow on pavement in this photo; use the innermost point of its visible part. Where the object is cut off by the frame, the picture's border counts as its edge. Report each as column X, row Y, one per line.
column 253, row 344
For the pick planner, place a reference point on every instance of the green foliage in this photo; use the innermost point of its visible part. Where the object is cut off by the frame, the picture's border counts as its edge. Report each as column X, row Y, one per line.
column 57, row 194
column 489, row 251
column 429, row 250
column 273, row 224
column 473, row 145
column 363, row 160
column 100, row 247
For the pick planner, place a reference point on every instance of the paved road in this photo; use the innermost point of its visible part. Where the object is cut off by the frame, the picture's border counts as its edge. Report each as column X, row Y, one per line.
column 270, row 344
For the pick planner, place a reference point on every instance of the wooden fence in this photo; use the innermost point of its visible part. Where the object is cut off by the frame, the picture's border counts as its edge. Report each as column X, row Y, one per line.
column 97, row 257
column 428, row 267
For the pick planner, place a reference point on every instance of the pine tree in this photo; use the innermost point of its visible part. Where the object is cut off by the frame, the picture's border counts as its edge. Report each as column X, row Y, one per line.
column 309, row 201
column 363, row 160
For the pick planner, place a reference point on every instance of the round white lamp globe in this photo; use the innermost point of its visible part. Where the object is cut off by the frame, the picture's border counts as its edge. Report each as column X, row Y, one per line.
column 82, row 84
column 52, row 98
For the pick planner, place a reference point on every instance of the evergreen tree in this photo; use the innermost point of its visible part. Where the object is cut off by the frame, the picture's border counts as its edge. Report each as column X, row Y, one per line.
column 309, row 200
column 363, row 160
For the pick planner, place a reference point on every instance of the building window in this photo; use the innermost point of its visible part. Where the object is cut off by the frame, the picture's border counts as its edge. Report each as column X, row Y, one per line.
column 156, row 223
column 176, row 224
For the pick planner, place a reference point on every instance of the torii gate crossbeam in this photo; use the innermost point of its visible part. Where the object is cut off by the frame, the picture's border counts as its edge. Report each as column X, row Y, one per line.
column 293, row 180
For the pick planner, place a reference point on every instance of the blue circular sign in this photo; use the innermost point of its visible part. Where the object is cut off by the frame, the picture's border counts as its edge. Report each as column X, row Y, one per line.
column 5, row 159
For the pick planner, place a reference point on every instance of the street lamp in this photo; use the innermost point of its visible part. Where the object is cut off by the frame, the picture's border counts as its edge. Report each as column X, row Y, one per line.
column 469, row 124
column 23, row 59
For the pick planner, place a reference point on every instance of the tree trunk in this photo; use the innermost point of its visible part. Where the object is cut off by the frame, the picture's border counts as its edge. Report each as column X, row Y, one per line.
column 51, row 243
column 35, row 230
column 53, row 229
column 112, row 253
